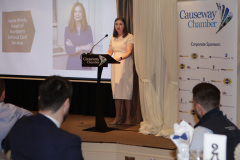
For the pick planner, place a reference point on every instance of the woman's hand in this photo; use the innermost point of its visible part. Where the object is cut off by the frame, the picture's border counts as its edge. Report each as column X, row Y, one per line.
column 69, row 42
column 79, row 49
column 118, row 59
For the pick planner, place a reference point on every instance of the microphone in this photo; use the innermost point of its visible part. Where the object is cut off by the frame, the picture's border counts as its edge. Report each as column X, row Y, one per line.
column 97, row 43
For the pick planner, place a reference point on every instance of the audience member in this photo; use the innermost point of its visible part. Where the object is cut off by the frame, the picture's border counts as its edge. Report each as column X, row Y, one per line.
column 9, row 113
column 206, row 100
column 39, row 137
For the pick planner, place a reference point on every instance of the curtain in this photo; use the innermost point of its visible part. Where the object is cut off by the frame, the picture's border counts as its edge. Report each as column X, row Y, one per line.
column 238, row 72
column 169, row 30
column 155, row 32
column 125, row 9
column 238, row 53
column 147, row 29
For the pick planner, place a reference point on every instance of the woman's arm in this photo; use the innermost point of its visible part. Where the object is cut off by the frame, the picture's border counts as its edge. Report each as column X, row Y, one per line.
column 110, row 51
column 86, row 47
column 128, row 52
column 69, row 47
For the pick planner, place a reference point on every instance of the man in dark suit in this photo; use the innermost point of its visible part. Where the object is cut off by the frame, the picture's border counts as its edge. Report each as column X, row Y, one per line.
column 39, row 137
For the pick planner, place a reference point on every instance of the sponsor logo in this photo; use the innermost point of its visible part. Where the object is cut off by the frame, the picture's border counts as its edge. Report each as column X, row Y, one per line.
column 224, row 93
column 202, row 68
column 227, row 81
column 202, row 57
column 215, row 57
column 225, row 106
column 214, row 68
column 193, row 79
column 181, row 79
column 181, row 100
column 182, row 66
column 183, row 111
column 216, row 81
column 226, row 69
column 226, row 57
column 190, row 68
column 194, row 56
column 183, row 56
column 192, row 112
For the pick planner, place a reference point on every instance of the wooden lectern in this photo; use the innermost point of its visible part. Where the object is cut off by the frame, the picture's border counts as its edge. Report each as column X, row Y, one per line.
column 100, row 61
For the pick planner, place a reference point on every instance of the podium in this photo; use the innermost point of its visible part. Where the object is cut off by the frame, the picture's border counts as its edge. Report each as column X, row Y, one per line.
column 100, row 61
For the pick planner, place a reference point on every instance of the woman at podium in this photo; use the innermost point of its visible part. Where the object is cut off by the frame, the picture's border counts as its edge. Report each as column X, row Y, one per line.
column 77, row 38
column 121, row 46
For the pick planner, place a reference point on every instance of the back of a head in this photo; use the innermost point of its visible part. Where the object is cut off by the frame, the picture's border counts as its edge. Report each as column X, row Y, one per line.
column 2, row 86
column 207, row 95
column 53, row 92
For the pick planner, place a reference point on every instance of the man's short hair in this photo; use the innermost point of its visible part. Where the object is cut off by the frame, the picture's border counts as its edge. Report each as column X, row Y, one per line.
column 2, row 86
column 53, row 92
column 207, row 95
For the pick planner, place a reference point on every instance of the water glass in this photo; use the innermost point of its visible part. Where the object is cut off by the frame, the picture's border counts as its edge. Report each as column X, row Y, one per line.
column 196, row 155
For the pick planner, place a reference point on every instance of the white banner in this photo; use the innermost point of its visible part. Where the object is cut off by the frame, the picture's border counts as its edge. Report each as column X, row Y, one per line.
column 207, row 43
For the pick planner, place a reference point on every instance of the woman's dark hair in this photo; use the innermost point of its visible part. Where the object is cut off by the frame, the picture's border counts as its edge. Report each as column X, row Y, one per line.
column 125, row 30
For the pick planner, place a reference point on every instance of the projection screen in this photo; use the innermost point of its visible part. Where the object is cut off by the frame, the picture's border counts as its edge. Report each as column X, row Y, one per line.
column 38, row 37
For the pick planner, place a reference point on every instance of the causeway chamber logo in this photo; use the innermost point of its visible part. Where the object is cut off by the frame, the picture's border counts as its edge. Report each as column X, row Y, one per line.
column 206, row 19
column 226, row 15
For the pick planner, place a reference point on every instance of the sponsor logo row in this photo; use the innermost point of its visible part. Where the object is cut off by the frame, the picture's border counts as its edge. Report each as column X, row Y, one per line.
column 226, row 81
column 196, row 56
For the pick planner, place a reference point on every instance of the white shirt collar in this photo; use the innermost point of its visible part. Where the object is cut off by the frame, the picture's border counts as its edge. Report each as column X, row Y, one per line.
column 53, row 120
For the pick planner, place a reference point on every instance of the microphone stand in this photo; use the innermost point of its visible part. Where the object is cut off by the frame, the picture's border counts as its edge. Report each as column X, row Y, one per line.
column 97, row 43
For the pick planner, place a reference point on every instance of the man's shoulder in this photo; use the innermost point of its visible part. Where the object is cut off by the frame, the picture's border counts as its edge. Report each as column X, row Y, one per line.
column 7, row 106
column 8, row 109
column 38, row 123
column 67, row 135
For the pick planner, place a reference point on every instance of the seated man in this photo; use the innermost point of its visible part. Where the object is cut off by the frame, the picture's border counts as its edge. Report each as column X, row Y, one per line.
column 39, row 137
column 9, row 114
column 206, row 101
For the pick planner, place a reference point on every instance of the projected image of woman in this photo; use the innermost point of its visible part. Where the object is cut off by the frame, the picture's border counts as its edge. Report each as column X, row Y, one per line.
column 78, row 37
column 121, row 46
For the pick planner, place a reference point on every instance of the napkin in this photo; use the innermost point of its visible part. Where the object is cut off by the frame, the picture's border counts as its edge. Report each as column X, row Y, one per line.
column 182, row 138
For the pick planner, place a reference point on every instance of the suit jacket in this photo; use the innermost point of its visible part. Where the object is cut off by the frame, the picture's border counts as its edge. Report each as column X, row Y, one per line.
column 38, row 138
